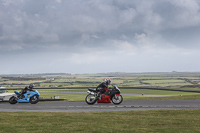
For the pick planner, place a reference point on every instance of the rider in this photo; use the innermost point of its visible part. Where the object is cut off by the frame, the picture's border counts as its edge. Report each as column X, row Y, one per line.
column 27, row 88
column 31, row 87
column 101, row 88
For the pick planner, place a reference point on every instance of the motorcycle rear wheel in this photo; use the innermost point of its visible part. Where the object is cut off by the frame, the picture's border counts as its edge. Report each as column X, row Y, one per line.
column 12, row 100
column 34, row 99
column 117, row 100
column 90, row 99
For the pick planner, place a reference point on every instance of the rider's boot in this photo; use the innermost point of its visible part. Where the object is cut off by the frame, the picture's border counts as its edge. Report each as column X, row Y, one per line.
column 21, row 96
column 99, row 95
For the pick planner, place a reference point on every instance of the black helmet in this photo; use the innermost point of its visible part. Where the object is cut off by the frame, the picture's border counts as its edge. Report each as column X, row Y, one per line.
column 31, row 85
column 108, row 81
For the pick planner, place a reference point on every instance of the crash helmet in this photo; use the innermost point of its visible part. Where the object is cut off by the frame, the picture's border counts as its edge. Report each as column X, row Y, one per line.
column 31, row 85
column 108, row 81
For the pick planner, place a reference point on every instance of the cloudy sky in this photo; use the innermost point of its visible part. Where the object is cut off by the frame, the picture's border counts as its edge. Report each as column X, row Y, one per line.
column 93, row 36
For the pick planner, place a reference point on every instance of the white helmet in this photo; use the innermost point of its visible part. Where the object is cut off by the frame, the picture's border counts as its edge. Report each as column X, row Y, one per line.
column 108, row 81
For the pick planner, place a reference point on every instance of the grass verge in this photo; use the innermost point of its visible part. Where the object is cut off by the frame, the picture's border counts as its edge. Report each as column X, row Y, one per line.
column 81, row 97
column 164, row 121
column 173, row 95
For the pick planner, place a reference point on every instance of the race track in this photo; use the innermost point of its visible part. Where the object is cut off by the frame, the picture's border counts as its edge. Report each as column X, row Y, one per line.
column 83, row 107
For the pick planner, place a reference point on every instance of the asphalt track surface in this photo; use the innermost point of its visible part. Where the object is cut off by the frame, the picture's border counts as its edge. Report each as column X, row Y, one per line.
column 98, row 107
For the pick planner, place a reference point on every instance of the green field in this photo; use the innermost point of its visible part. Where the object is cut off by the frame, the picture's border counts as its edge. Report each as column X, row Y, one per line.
column 79, row 81
column 128, row 85
column 162, row 121
column 167, row 95
column 81, row 97
column 171, row 95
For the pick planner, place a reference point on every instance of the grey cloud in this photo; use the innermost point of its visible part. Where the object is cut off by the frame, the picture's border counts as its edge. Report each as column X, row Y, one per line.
column 81, row 29
column 36, row 22
column 187, row 37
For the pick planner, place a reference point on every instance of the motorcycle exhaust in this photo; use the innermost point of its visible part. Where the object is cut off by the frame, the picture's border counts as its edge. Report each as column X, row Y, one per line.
column 90, row 92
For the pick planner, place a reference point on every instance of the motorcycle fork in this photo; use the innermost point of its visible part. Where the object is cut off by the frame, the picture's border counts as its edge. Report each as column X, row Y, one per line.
column 116, row 96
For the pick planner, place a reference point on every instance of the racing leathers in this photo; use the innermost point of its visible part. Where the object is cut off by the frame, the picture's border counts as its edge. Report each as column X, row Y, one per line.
column 27, row 88
column 101, row 88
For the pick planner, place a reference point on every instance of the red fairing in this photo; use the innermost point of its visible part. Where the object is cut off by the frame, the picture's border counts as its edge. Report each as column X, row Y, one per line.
column 107, row 89
column 104, row 99
column 117, row 95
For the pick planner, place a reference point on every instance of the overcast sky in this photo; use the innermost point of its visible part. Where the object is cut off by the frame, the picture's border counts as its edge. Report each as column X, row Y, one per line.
column 94, row 36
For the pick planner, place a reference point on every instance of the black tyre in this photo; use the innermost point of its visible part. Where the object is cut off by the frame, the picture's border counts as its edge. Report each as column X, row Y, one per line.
column 12, row 100
column 90, row 99
column 117, row 100
column 34, row 99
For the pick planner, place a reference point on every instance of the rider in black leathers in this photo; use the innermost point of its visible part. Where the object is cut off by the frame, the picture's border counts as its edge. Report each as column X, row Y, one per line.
column 101, row 88
column 27, row 88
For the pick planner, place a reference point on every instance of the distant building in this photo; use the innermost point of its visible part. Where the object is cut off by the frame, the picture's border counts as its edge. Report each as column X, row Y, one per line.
column 53, row 86
column 49, row 79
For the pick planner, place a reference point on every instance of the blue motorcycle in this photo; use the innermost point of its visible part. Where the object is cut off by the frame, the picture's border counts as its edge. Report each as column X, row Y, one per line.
column 29, row 96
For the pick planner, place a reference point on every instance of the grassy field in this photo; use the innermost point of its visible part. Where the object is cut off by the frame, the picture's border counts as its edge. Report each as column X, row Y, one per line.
column 73, row 81
column 81, row 97
column 127, row 91
column 171, row 95
column 163, row 121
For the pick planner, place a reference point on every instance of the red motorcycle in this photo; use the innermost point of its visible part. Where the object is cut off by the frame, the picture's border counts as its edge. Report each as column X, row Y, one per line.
column 109, row 95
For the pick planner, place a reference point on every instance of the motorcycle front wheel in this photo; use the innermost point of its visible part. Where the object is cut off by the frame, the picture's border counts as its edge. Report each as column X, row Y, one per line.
column 34, row 99
column 12, row 100
column 90, row 99
column 117, row 100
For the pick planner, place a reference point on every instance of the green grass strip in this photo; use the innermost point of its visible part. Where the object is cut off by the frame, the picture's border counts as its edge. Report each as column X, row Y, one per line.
column 165, row 121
